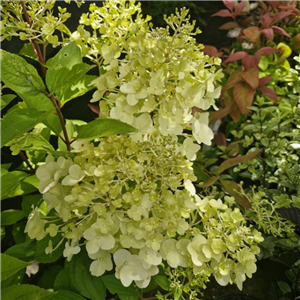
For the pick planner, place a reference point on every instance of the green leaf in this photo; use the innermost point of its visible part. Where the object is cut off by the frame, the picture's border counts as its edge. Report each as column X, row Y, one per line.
column 284, row 287
column 115, row 286
column 65, row 70
column 27, row 50
column 58, row 81
column 17, row 122
column 13, row 280
column 11, row 216
column 66, row 295
column 23, row 251
column 35, row 143
column 6, row 99
column 26, row 292
column 41, row 245
column 20, row 76
column 104, row 127
column 68, row 56
column 3, row 232
column 24, row 79
column 163, row 282
column 78, row 88
column 11, row 265
column 48, row 277
column 11, row 184
column 236, row 160
column 29, row 201
column 76, row 277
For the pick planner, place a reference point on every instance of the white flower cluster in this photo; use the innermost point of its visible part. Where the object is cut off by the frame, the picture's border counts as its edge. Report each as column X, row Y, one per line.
column 130, row 200
column 150, row 78
column 133, row 205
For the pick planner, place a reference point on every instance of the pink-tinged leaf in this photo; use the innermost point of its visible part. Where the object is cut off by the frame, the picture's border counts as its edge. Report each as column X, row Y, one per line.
column 216, row 115
column 269, row 93
column 274, row 3
column 233, row 149
column 229, row 25
column 234, row 190
column 94, row 108
column 232, row 81
column 265, row 20
column 228, row 100
column 220, row 139
column 243, row 96
column 250, row 61
column 252, row 33
column 235, row 56
column 223, row 13
column 280, row 16
column 266, row 51
column 244, row 23
column 251, row 77
column 289, row 7
column 230, row 162
column 280, row 30
column 268, row 33
column 209, row 182
column 229, row 4
column 211, row 51
column 264, row 80
column 239, row 8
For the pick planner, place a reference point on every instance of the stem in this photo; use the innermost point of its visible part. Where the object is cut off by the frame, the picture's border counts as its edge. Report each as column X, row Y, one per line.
column 23, row 156
column 41, row 58
column 61, row 119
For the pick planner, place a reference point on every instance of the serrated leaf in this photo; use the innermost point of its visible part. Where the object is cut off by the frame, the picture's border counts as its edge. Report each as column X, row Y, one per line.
column 11, row 265
column 234, row 190
column 236, row 160
column 20, row 76
column 66, row 295
column 68, row 56
column 243, row 97
column 36, row 143
column 58, row 81
column 104, row 127
column 77, row 89
column 11, row 216
column 6, row 99
column 19, row 121
column 11, row 184
column 26, row 292
column 115, row 287
column 76, row 277
column 22, row 251
column 23, row 78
